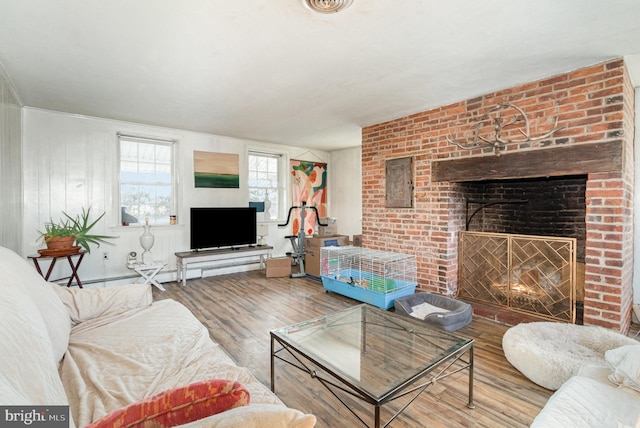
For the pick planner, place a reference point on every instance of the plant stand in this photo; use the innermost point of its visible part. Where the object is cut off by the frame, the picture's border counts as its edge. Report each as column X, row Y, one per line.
column 54, row 258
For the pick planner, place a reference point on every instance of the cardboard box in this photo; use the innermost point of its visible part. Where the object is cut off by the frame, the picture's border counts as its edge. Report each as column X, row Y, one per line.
column 331, row 227
column 312, row 251
column 278, row 267
column 357, row 241
column 312, row 261
column 326, row 241
column 327, row 230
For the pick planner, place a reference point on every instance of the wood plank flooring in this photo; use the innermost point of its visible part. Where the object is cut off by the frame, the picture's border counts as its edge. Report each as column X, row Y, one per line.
column 240, row 309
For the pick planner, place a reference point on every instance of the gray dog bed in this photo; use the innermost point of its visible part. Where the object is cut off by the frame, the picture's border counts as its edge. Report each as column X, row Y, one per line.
column 440, row 311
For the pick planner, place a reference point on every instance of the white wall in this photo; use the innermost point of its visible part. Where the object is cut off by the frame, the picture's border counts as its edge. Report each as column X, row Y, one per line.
column 70, row 161
column 10, row 165
column 345, row 190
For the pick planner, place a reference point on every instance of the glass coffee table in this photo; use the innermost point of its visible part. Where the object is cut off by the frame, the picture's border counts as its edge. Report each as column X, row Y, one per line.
column 373, row 355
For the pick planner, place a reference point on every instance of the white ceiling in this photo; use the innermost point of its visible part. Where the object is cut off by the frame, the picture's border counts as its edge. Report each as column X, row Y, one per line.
column 272, row 70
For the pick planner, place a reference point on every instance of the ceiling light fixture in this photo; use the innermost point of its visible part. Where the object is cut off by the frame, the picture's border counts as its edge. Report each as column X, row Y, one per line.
column 327, row 6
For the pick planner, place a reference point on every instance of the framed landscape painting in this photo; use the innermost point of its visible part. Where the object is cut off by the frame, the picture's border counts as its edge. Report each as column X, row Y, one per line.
column 216, row 170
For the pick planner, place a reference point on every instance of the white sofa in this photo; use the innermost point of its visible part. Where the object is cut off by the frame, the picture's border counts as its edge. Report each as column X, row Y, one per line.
column 598, row 396
column 101, row 349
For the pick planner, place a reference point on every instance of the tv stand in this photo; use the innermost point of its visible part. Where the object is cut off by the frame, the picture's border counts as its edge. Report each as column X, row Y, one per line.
column 183, row 259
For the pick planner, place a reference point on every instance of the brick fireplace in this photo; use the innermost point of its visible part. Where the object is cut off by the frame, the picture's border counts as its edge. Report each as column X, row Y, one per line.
column 594, row 108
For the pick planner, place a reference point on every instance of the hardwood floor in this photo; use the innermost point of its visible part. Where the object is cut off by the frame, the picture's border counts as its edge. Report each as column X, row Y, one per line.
column 240, row 309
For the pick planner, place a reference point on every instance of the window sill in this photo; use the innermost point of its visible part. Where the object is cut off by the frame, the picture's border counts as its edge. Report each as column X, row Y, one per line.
column 140, row 226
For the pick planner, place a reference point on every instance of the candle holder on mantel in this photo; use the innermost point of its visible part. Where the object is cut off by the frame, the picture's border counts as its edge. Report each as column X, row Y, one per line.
column 146, row 241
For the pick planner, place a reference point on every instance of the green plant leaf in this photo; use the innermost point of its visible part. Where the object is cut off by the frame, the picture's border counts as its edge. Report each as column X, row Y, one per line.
column 78, row 227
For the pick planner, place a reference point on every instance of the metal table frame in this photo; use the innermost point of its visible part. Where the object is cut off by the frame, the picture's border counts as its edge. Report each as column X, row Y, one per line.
column 450, row 364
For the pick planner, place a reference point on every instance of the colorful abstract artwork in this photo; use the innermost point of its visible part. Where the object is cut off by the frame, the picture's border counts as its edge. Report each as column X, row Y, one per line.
column 218, row 170
column 310, row 186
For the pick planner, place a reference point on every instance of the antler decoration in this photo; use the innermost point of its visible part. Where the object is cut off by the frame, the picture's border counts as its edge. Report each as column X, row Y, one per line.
column 499, row 124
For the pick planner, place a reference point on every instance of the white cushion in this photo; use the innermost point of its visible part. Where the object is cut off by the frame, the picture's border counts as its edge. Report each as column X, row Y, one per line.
column 625, row 364
column 18, row 276
column 86, row 304
column 256, row 416
column 422, row 310
column 623, row 425
column 28, row 358
column 587, row 403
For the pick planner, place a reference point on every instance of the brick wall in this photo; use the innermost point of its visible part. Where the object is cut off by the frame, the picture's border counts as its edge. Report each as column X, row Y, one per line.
column 593, row 105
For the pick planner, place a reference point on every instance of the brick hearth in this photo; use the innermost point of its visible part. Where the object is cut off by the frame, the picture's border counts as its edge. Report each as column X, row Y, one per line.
column 594, row 107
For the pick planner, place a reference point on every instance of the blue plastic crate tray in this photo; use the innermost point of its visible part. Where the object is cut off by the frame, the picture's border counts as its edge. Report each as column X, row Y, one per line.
column 368, row 288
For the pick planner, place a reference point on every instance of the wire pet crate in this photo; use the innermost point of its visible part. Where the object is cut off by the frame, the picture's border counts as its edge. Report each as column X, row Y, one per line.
column 370, row 276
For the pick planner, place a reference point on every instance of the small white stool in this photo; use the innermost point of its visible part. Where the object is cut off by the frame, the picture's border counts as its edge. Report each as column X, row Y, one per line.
column 148, row 272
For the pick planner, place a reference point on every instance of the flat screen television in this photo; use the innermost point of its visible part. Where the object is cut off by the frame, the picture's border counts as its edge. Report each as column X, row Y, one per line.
column 222, row 227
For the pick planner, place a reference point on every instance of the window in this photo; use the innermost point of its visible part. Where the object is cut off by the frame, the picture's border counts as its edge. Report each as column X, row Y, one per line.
column 264, row 183
column 147, row 182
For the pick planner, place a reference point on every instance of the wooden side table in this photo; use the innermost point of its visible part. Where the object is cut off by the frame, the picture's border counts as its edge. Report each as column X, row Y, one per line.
column 74, row 265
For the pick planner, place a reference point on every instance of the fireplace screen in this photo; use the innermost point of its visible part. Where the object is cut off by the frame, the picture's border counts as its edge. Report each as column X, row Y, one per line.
column 532, row 274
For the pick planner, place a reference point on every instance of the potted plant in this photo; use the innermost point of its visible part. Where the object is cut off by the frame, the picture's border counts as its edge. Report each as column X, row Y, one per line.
column 69, row 230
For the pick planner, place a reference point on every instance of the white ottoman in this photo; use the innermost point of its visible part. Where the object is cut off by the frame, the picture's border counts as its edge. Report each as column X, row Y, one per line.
column 549, row 353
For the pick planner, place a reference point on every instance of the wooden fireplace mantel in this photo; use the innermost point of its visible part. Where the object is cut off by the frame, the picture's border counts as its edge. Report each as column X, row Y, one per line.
column 557, row 161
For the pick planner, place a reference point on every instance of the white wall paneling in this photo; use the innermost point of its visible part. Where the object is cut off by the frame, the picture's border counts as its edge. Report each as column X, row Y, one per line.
column 10, row 165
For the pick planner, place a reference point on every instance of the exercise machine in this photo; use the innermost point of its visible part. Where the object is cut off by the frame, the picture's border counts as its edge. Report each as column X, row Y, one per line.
column 297, row 241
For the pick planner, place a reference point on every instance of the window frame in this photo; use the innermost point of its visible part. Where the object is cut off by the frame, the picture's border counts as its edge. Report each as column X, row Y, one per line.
column 172, row 143
column 282, row 160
